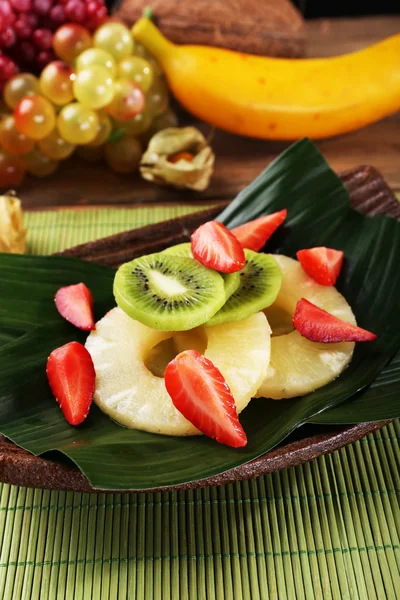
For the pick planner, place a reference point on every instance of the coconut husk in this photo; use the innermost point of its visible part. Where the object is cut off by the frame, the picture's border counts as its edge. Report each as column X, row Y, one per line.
column 266, row 27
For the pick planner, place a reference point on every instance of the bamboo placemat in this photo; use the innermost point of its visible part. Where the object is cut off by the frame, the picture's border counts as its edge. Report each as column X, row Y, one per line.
column 328, row 529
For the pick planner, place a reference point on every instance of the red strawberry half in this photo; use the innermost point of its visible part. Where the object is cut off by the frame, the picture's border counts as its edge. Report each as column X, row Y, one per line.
column 318, row 325
column 72, row 378
column 200, row 392
column 75, row 303
column 322, row 264
column 254, row 234
column 214, row 246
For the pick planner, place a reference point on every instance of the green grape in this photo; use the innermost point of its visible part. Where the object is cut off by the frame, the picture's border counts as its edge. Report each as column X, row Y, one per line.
column 12, row 170
column 165, row 120
column 19, row 87
column 123, row 155
column 157, row 97
column 11, row 139
column 104, row 130
column 77, row 124
column 70, row 40
column 128, row 100
column 91, row 153
column 35, row 117
column 39, row 164
column 54, row 146
column 135, row 126
column 142, row 52
column 94, row 87
column 114, row 38
column 56, row 82
column 98, row 57
column 138, row 70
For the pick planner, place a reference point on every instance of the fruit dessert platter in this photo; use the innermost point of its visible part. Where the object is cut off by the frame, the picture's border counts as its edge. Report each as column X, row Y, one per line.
column 217, row 340
column 203, row 327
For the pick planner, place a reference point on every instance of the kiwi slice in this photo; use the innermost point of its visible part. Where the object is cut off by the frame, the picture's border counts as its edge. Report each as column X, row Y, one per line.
column 231, row 280
column 170, row 293
column 260, row 282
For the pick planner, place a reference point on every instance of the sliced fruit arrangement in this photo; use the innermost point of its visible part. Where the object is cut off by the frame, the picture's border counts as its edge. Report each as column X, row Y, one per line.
column 98, row 93
column 231, row 280
column 168, row 292
column 183, row 353
column 129, row 391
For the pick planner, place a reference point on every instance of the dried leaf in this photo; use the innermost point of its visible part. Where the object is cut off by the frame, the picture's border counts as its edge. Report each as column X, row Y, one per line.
column 12, row 231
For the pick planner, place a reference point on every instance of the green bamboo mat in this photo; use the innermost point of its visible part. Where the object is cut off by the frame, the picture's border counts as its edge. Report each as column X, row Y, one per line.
column 329, row 529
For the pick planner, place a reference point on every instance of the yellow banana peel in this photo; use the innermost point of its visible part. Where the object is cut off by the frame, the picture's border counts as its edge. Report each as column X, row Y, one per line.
column 278, row 98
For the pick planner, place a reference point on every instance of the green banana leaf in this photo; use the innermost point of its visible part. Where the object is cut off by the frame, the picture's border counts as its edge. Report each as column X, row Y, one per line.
column 380, row 401
column 113, row 457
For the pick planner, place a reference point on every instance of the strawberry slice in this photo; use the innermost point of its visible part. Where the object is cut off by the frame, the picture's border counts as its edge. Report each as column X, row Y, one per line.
column 318, row 325
column 200, row 392
column 72, row 377
column 322, row 264
column 254, row 234
column 214, row 246
column 75, row 303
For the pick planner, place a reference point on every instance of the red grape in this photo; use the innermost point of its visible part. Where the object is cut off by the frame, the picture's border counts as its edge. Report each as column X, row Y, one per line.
column 7, row 38
column 27, row 31
column 27, row 52
column 23, row 27
column 44, row 58
column 7, row 15
column 8, row 69
column 33, row 20
column 42, row 38
column 57, row 15
column 75, row 10
column 21, row 5
column 101, row 16
column 91, row 8
column 42, row 7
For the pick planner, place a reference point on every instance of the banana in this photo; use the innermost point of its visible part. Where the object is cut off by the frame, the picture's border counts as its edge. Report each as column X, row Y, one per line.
column 276, row 98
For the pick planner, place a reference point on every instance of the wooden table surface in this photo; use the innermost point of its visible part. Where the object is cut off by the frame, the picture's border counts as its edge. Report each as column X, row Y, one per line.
column 239, row 160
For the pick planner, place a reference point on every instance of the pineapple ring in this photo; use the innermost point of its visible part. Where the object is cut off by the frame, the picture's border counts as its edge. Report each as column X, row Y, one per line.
column 299, row 366
column 132, row 395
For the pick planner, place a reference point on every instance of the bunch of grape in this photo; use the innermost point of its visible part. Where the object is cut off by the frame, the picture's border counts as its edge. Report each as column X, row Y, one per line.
column 27, row 26
column 104, row 96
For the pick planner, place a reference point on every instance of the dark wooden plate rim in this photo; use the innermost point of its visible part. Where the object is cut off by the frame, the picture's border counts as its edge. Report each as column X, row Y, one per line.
column 369, row 194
